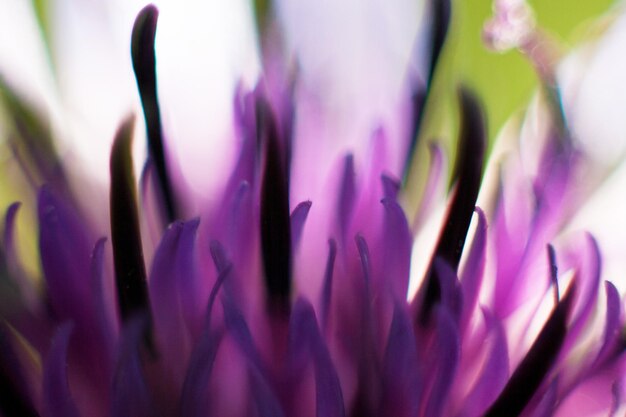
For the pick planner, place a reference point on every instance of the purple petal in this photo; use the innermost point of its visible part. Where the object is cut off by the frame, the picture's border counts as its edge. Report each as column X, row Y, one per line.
column 65, row 248
column 165, row 282
column 472, row 276
column 104, row 331
column 238, row 329
column 588, row 283
column 445, row 361
column 266, row 403
column 402, row 386
column 616, row 390
column 194, row 399
column 131, row 395
column 494, row 373
column 57, row 399
column 327, row 289
column 396, row 249
column 244, row 170
column 535, row 366
column 391, row 187
column 304, row 335
column 451, row 294
column 298, row 217
column 189, row 285
column 612, row 325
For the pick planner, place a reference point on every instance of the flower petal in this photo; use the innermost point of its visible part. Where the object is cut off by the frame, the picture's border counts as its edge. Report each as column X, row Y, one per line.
column 304, row 335
column 531, row 372
column 131, row 394
column 57, row 398
column 298, row 218
column 473, row 271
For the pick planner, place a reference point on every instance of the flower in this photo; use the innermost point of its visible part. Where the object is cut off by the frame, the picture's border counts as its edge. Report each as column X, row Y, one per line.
column 273, row 306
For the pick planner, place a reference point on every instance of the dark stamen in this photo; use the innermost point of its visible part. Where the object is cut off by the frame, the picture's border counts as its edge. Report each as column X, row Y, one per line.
column 536, row 364
column 144, row 65
column 468, row 172
column 130, row 273
column 553, row 272
column 275, row 222
column 438, row 31
column 439, row 20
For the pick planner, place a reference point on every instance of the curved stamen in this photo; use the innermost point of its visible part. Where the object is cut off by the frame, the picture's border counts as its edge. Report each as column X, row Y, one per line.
column 144, row 65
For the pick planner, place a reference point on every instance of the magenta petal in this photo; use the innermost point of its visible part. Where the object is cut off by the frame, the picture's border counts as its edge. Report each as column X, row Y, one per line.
column 588, row 282
column 494, row 373
column 612, row 325
column 57, row 399
column 298, row 217
column 396, row 249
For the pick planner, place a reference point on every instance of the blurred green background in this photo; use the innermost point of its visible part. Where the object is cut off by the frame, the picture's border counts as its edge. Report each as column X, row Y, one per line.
column 505, row 82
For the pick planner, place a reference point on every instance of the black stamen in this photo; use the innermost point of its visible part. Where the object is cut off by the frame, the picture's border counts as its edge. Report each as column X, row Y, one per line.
column 275, row 222
column 438, row 31
column 144, row 65
column 553, row 272
column 531, row 372
column 439, row 20
column 468, row 172
column 130, row 273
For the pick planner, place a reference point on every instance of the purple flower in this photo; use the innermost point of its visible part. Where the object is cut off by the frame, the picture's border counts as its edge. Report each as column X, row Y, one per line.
column 268, row 305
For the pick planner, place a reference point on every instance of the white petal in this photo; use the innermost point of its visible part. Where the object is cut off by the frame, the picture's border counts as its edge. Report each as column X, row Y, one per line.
column 594, row 95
